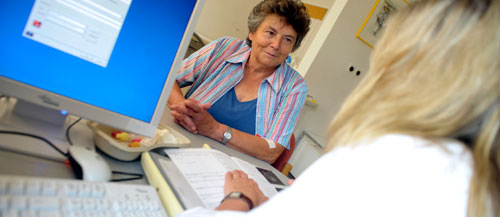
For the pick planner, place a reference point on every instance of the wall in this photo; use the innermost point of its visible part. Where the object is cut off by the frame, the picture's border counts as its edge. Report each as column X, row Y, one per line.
column 316, row 21
column 229, row 18
column 224, row 18
column 325, row 64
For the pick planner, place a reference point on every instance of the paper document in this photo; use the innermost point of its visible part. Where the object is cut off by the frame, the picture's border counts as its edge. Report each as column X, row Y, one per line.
column 205, row 171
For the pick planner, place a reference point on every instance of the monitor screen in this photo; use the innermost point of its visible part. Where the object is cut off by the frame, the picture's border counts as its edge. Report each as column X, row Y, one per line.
column 111, row 61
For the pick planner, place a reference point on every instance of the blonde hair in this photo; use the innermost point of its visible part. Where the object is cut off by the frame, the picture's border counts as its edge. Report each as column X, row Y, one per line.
column 435, row 73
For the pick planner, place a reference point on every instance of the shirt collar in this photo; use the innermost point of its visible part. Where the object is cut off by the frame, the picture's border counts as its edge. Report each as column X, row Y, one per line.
column 277, row 78
column 240, row 56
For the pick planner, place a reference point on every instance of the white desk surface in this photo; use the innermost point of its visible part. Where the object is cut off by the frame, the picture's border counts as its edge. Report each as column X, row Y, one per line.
column 17, row 164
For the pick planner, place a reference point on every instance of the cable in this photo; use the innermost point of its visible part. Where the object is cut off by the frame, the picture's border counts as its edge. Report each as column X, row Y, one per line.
column 67, row 131
column 35, row 155
column 126, row 179
column 36, row 137
column 138, row 176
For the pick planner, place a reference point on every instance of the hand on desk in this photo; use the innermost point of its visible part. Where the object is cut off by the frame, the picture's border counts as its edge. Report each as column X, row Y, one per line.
column 205, row 123
column 193, row 116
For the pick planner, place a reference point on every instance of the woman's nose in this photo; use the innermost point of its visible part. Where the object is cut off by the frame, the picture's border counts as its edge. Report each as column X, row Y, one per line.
column 276, row 43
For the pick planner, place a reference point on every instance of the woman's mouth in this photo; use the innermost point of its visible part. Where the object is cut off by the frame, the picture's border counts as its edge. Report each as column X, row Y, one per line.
column 270, row 54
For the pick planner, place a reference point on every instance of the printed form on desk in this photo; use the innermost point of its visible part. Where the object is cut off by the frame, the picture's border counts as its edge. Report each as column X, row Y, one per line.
column 205, row 170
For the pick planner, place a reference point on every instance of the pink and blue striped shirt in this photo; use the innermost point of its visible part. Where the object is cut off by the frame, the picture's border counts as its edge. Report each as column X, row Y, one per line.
column 216, row 68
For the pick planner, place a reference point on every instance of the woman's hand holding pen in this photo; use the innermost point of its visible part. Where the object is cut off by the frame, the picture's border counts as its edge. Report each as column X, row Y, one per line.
column 238, row 180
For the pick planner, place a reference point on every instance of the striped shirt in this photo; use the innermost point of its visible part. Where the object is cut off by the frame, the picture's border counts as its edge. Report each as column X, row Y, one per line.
column 216, row 68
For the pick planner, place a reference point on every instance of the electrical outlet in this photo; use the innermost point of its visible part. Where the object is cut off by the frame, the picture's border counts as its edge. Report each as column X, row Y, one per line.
column 355, row 70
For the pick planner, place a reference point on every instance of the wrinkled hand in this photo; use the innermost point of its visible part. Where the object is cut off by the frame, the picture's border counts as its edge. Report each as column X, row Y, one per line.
column 238, row 180
column 205, row 124
column 179, row 112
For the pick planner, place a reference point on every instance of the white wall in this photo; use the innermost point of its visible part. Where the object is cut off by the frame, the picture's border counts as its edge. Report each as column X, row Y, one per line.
column 325, row 64
column 229, row 18
column 299, row 54
column 224, row 18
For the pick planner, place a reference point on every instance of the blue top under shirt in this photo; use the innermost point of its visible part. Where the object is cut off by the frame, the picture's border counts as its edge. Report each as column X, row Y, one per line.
column 230, row 111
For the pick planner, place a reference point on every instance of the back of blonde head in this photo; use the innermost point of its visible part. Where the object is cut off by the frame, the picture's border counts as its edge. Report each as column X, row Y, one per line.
column 435, row 73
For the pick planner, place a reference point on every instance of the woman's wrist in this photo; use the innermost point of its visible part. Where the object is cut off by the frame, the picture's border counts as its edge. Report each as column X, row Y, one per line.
column 233, row 204
column 218, row 132
column 176, row 97
column 238, row 195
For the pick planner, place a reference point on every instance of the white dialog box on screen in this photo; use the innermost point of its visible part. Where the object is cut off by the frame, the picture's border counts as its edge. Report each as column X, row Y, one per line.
column 87, row 29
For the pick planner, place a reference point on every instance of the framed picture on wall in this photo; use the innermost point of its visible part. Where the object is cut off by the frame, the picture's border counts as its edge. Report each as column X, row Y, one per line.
column 374, row 24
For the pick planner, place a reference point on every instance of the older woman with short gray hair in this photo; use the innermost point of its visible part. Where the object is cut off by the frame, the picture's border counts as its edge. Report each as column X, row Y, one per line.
column 243, row 93
column 297, row 18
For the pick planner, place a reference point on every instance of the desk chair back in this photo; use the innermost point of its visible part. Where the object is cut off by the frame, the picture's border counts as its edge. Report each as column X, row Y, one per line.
column 285, row 156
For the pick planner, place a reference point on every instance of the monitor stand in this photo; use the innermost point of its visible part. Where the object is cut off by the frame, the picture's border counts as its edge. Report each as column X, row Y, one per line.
column 25, row 117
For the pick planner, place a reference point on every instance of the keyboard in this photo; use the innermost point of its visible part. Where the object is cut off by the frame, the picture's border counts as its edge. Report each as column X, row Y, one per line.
column 48, row 197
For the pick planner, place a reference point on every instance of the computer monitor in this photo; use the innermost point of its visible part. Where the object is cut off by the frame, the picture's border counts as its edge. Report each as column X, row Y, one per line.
column 109, row 61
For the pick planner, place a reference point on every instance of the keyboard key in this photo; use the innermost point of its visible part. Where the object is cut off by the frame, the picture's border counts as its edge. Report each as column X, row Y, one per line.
column 74, row 204
column 89, row 204
column 103, row 204
column 49, row 188
column 77, row 213
column 132, row 205
column 140, row 214
column 3, row 186
column 4, row 202
column 19, row 203
column 16, row 187
column 33, row 187
column 49, row 213
column 84, row 190
column 10, row 213
column 28, row 213
column 70, row 189
column 116, row 206
column 156, row 214
column 142, row 205
column 98, row 191
column 44, row 203
column 154, row 205
column 92, row 213
column 106, row 214
column 124, row 214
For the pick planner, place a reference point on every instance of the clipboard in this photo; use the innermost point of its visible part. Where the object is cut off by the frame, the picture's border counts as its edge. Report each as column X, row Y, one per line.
column 173, row 189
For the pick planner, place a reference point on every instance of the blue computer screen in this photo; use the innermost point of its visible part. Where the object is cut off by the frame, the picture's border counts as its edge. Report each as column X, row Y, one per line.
column 113, row 54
